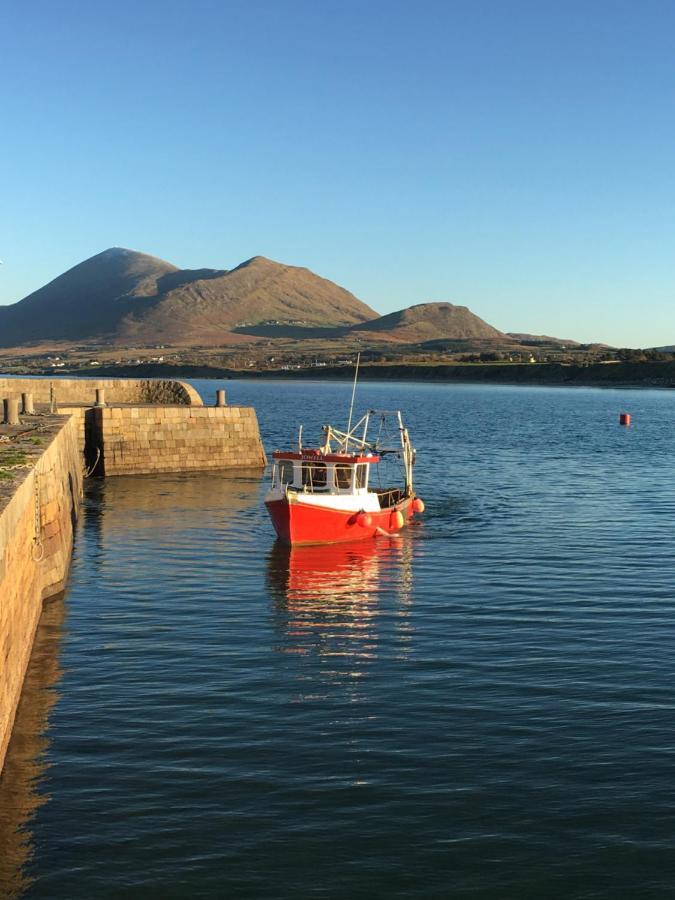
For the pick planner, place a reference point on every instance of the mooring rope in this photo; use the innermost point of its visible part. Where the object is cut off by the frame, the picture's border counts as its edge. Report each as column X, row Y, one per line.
column 88, row 470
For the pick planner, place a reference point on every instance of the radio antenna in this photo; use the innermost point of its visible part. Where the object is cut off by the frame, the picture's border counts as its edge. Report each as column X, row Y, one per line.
column 351, row 406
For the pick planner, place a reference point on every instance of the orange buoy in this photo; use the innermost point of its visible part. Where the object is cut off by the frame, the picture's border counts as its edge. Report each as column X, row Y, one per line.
column 364, row 520
column 396, row 521
column 418, row 505
column 624, row 418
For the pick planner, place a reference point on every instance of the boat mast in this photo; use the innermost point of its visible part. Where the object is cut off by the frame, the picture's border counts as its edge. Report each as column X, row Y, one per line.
column 351, row 406
column 407, row 453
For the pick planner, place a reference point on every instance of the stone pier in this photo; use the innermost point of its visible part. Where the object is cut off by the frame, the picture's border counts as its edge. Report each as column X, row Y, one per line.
column 133, row 440
column 40, row 491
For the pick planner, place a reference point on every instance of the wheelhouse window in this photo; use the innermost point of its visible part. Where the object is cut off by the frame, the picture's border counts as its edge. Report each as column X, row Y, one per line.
column 361, row 475
column 285, row 471
column 314, row 476
column 343, row 477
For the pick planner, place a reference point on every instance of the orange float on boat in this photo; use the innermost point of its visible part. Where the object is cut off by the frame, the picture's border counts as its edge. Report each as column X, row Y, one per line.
column 397, row 521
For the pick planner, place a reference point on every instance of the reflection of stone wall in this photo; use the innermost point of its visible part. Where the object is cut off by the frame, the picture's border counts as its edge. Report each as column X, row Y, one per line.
column 117, row 390
column 137, row 440
column 20, row 794
column 30, row 571
column 172, row 501
column 170, row 504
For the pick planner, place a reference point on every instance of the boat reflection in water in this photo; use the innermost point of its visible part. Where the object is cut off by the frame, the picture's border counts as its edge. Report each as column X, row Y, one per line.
column 20, row 785
column 346, row 602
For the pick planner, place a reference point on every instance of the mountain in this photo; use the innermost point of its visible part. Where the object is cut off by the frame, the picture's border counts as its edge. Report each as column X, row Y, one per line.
column 87, row 300
column 127, row 297
column 259, row 294
column 130, row 299
column 522, row 338
column 429, row 321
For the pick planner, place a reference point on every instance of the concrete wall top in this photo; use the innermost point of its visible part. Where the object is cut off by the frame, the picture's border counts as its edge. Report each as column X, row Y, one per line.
column 117, row 390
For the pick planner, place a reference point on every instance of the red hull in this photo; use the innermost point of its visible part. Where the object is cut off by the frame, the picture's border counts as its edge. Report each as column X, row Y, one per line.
column 302, row 523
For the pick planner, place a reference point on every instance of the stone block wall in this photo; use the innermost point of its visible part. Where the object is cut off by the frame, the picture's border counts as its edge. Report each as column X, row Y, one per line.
column 136, row 440
column 117, row 390
column 33, row 570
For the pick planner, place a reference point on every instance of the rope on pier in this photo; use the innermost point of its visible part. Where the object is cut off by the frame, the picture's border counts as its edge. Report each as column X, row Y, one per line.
column 88, row 470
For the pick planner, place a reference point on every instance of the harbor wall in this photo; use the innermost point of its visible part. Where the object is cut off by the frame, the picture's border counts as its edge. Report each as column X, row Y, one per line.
column 36, row 536
column 137, row 440
column 117, row 390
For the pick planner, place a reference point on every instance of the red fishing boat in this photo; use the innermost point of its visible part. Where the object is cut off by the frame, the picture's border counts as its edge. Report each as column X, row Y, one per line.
column 335, row 492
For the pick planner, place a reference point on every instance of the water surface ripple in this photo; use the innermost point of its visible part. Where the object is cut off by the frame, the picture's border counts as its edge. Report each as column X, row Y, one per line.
column 484, row 707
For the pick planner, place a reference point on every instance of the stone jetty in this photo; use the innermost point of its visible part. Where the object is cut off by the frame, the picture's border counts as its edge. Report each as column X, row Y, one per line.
column 54, row 431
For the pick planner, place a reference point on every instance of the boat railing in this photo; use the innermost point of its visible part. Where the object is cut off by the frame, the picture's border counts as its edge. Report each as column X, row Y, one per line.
column 389, row 496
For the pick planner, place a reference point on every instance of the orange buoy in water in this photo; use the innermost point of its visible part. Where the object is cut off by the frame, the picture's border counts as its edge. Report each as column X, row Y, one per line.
column 364, row 520
column 418, row 505
column 624, row 418
column 396, row 520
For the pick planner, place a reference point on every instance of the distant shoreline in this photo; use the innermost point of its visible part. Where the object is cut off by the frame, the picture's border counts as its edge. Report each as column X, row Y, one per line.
column 616, row 375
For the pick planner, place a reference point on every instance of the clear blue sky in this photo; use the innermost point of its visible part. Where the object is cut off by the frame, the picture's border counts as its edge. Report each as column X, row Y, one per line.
column 516, row 157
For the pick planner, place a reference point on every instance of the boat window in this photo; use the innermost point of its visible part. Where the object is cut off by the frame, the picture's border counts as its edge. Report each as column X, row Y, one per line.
column 361, row 475
column 343, row 477
column 285, row 471
column 314, row 475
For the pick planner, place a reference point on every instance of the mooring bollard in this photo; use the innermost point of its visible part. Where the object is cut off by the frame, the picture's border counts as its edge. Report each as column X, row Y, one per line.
column 52, row 398
column 27, row 407
column 10, row 409
column 220, row 398
column 100, row 396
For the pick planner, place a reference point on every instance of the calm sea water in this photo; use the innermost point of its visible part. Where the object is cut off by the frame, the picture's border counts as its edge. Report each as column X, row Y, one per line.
column 484, row 707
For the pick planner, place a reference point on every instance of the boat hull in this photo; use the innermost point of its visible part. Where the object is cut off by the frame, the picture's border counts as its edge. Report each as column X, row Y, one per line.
column 301, row 523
